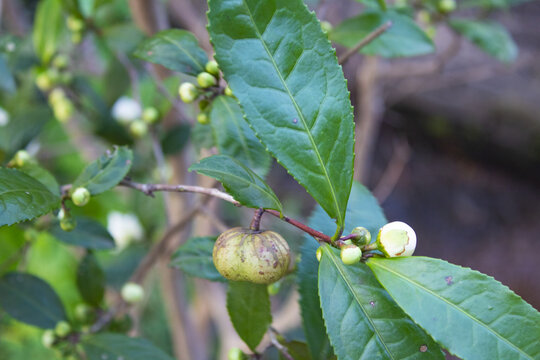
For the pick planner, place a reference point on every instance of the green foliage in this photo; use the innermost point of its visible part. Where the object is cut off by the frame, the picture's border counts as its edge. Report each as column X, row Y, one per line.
column 43, row 176
column 469, row 313
column 175, row 49
column 311, row 131
column 89, row 234
column 195, row 258
column 115, row 346
column 31, row 300
column 404, row 38
column 91, row 280
column 242, row 183
column 48, row 27
column 490, row 37
column 249, row 308
column 7, row 82
column 175, row 139
column 23, row 197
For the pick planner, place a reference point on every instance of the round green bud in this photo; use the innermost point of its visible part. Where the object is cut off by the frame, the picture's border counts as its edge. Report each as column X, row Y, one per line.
column 203, row 118
column 150, row 115
column 431, row 32
column 132, row 293
column 326, row 26
column 76, row 37
column 43, row 81
column 63, row 110
column 212, row 67
column 205, row 80
column 350, row 254
column 83, row 313
column 188, row 92
column 396, row 239
column 80, row 196
column 362, row 236
column 260, row 257
column 56, row 96
column 21, row 158
column 319, row 253
column 67, row 223
column 75, row 24
column 62, row 328
column 447, row 6
column 204, row 104
column 138, row 129
column 236, row 354
column 228, row 91
column 273, row 289
column 60, row 61
column 48, row 338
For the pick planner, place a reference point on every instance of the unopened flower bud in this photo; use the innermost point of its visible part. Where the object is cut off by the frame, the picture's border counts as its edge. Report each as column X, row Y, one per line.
column 326, row 26
column 212, row 67
column 188, row 92
column 125, row 110
column 396, row 239
column 4, row 117
column 63, row 110
column 21, row 158
column 203, row 118
column 80, row 196
column 362, row 236
column 150, row 115
column 43, row 81
column 62, row 328
column 138, row 129
column 350, row 254
column 75, row 24
column 205, row 80
column 236, row 354
column 132, row 293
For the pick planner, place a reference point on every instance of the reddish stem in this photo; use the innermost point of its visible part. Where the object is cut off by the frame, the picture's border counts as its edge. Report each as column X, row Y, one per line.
column 256, row 222
column 316, row 234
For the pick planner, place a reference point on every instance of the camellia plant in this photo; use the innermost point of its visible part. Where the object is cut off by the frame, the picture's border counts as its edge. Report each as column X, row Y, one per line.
column 274, row 89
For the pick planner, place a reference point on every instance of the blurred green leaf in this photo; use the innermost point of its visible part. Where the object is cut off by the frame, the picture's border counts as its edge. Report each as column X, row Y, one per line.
column 25, row 123
column 115, row 346
column 89, row 234
column 22, row 197
column 380, row 4
column 106, row 172
column 490, row 37
column 175, row 49
column 242, row 183
column 469, row 313
column 202, row 137
column 195, row 258
column 48, row 26
column 7, row 82
column 91, row 280
column 403, row 38
column 249, row 309
column 31, row 300
column 43, row 176
column 86, row 7
column 175, row 139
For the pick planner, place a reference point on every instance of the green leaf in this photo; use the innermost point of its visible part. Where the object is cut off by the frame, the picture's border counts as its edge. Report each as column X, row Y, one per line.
column 285, row 74
column 31, row 300
column 48, row 26
column 299, row 350
column 403, row 38
column 91, row 280
column 362, row 320
column 195, row 258
column 175, row 49
column 89, row 234
column 7, row 82
column 25, row 123
column 469, row 313
column 235, row 138
column 43, row 176
column 106, row 172
column 22, row 197
column 381, row 4
column 242, row 183
column 86, row 7
column 115, row 346
column 248, row 305
column 490, row 37
column 175, row 139
column 202, row 137
column 362, row 210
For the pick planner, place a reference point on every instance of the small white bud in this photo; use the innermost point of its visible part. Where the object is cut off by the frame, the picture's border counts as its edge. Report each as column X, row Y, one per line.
column 4, row 117
column 124, row 228
column 132, row 293
column 396, row 239
column 126, row 110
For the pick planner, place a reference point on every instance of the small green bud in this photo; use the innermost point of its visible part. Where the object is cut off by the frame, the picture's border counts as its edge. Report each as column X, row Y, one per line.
column 326, row 27
column 396, row 239
column 132, row 293
column 21, row 158
column 80, row 196
column 236, row 354
column 138, row 129
column 273, row 289
column 67, row 223
column 60, row 61
column 362, row 236
column 75, row 24
column 62, row 328
column 447, row 6
column 203, row 118
column 150, row 115
column 424, row 17
column 205, row 80
column 83, row 313
column 228, row 91
column 188, row 92
column 43, row 81
column 48, row 338
column 63, row 110
column 212, row 67
column 350, row 254
column 76, row 37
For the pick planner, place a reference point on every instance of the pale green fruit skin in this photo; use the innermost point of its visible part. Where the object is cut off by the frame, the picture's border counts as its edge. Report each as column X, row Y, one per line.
column 132, row 293
column 62, row 328
column 75, row 24
column 260, row 257
column 83, row 313
column 228, row 91
column 21, row 158
column 350, row 254
column 203, row 118
column 81, row 196
column 212, row 67
column 44, row 82
column 235, row 354
column 188, row 92
column 150, row 115
column 205, row 80
column 48, row 338
column 363, row 236
column 63, row 110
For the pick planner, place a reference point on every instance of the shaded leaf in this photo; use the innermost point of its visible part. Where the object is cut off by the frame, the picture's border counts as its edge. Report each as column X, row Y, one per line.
column 24, row 124
column 89, row 234
column 195, row 258
column 7, row 82
column 202, row 137
column 469, row 313
column 48, row 26
column 285, row 74
column 381, row 4
column 115, row 346
column 91, row 280
column 175, row 139
column 31, row 300
column 43, row 176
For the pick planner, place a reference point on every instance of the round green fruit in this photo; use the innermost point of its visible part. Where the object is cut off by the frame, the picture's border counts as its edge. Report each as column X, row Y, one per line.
column 62, row 329
column 212, row 67
column 447, row 6
column 188, row 92
column 81, row 196
column 75, row 24
column 138, row 129
column 150, row 115
column 63, row 110
column 350, row 254
column 228, row 91
column 132, row 293
column 205, row 80
column 83, row 313
column 60, row 61
column 43, row 81
column 203, row 118
column 48, row 338
column 260, row 257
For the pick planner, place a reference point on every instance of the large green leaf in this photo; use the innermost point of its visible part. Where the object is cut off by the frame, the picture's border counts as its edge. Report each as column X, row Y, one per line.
column 195, row 258
column 469, row 313
column 24, row 124
column 31, row 300
column 107, row 346
column 285, row 74
column 7, row 82
column 242, row 183
column 404, row 38
column 91, row 280
column 235, row 138
column 22, row 197
column 175, row 49
column 48, row 26
column 106, row 172
column 362, row 210
column 89, row 234
column 43, row 176
column 490, row 37
column 362, row 320
column 249, row 309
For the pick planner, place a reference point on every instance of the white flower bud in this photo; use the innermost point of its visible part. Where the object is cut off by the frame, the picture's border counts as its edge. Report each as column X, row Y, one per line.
column 396, row 239
column 4, row 117
column 126, row 110
column 132, row 293
column 124, row 228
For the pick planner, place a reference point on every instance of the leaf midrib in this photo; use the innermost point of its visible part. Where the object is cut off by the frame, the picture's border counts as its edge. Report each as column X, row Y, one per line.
column 172, row 42
column 300, row 115
column 487, row 327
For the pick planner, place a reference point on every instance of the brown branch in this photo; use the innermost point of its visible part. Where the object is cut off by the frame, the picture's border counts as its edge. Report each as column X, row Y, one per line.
column 316, row 234
column 365, row 41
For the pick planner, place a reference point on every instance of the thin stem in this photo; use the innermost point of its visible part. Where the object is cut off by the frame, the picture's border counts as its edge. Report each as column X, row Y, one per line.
column 282, row 349
column 369, row 38
column 316, row 234
column 256, row 222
